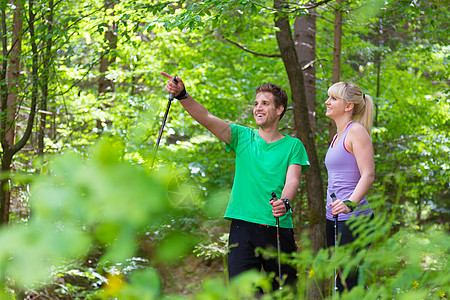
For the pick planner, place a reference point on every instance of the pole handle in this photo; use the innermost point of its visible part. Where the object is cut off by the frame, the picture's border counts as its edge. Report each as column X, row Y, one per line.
column 172, row 96
column 334, row 198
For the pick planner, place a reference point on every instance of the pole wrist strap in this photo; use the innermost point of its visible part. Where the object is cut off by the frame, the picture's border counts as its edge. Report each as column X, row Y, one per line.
column 182, row 95
column 287, row 204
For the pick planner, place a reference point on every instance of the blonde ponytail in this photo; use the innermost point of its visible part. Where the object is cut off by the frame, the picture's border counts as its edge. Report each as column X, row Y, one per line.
column 363, row 104
column 366, row 117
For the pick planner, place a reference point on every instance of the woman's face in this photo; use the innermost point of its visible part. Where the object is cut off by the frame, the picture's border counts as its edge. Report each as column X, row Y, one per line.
column 335, row 106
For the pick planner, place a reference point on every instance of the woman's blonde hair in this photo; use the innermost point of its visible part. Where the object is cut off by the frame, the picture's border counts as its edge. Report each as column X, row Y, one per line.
column 363, row 104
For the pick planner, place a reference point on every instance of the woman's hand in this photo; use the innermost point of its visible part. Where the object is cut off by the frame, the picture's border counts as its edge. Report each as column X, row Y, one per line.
column 338, row 207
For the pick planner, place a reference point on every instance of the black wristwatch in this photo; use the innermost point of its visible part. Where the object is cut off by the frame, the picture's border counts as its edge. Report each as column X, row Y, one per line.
column 350, row 205
column 287, row 204
column 183, row 95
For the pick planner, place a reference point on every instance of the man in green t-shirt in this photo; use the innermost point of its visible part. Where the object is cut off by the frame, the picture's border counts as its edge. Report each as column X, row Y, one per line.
column 266, row 162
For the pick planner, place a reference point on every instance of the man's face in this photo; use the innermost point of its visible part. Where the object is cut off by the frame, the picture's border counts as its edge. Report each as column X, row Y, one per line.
column 264, row 111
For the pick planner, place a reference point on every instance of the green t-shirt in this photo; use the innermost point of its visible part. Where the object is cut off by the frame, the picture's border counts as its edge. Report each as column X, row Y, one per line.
column 260, row 170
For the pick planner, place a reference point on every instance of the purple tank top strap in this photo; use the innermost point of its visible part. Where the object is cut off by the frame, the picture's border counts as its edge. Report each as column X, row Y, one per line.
column 344, row 135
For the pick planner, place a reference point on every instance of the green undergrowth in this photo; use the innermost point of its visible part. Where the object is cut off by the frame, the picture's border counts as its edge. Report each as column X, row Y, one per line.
column 104, row 228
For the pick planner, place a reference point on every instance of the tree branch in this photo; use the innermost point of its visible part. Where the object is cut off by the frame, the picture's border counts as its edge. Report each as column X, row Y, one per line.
column 295, row 9
column 309, row 64
column 250, row 51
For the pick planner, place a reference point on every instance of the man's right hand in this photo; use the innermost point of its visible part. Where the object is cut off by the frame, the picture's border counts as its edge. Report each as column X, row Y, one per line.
column 218, row 127
column 172, row 87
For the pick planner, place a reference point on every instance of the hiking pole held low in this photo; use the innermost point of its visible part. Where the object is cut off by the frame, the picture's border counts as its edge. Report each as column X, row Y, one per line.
column 171, row 97
column 333, row 197
column 274, row 197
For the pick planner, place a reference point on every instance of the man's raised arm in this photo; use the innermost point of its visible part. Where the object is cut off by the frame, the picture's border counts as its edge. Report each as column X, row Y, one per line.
column 218, row 127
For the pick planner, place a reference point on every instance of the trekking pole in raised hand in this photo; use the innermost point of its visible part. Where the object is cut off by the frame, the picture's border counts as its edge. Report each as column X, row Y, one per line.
column 171, row 97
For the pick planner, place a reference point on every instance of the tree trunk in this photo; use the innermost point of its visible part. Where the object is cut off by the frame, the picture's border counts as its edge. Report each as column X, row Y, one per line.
column 336, row 57
column 337, row 42
column 13, row 71
column 378, row 62
column 10, row 150
column 305, row 45
column 105, row 85
column 303, row 131
column 45, row 80
column 9, row 93
column 5, row 195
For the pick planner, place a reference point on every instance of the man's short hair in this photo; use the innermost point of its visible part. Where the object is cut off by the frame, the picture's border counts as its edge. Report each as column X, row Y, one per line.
column 279, row 95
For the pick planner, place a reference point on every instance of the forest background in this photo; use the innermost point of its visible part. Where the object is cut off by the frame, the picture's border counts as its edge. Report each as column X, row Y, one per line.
column 88, row 212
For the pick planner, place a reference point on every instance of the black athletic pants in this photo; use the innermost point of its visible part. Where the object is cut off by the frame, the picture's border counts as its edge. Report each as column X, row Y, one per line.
column 345, row 236
column 245, row 237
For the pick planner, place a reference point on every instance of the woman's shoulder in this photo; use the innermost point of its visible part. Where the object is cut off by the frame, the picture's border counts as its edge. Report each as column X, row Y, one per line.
column 357, row 128
column 358, row 133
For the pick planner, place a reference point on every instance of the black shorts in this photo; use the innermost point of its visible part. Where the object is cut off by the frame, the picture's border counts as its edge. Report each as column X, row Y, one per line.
column 245, row 237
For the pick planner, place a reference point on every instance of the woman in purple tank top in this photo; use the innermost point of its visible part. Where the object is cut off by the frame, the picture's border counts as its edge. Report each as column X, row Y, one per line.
column 350, row 164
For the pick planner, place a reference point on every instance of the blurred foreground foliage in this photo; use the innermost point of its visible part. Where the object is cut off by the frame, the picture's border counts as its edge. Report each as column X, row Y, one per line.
column 92, row 217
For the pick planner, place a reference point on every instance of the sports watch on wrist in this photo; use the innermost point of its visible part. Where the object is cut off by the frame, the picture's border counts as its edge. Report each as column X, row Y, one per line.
column 183, row 95
column 287, row 204
column 350, row 205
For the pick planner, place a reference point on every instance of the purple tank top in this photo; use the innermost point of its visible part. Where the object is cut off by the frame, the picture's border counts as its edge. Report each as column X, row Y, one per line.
column 343, row 176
